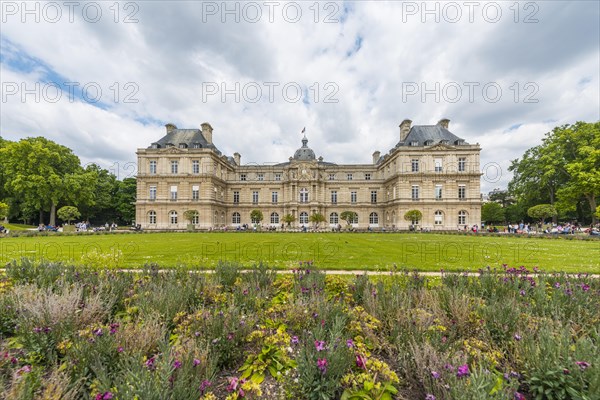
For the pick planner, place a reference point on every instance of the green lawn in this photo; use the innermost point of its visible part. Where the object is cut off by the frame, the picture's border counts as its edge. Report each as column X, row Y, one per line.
column 17, row 227
column 426, row 252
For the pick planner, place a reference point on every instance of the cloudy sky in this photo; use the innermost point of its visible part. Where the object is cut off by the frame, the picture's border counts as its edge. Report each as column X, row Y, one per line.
column 103, row 78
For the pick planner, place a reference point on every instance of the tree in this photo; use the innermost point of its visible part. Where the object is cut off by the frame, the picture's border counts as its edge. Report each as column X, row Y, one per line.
column 3, row 210
column 125, row 199
column 561, row 171
column 348, row 216
column 413, row 215
column 41, row 173
column 68, row 213
column 190, row 215
column 542, row 211
column 288, row 219
column 317, row 218
column 492, row 212
column 256, row 216
column 502, row 197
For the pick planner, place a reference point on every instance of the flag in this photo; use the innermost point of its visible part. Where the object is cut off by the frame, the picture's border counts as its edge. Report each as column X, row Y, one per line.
column 303, row 129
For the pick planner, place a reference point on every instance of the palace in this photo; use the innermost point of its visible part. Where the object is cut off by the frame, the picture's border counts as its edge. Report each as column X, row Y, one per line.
column 430, row 169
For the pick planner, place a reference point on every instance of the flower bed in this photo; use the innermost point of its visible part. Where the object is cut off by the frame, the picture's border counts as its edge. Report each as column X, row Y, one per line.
column 71, row 333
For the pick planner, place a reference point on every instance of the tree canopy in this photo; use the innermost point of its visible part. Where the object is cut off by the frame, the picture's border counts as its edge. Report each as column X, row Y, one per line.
column 68, row 213
column 564, row 171
column 492, row 212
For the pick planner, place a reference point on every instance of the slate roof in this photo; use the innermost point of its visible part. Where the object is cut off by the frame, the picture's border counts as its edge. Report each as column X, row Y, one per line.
column 304, row 153
column 433, row 133
column 186, row 136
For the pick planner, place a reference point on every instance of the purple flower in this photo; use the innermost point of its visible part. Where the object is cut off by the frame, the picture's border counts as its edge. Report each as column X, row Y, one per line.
column 585, row 287
column 177, row 364
column 522, row 292
column 430, row 397
column 350, row 343
column 435, row 374
column 107, row 396
column 322, row 365
column 517, row 337
column 150, row 363
column 448, row 367
column 295, row 340
column 463, row 371
column 196, row 362
column 37, row 330
column 204, row 385
column 319, row 345
column 120, row 349
column 582, row 364
column 519, row 396
column 361, row 361
column 98, row 332
column 557, row 285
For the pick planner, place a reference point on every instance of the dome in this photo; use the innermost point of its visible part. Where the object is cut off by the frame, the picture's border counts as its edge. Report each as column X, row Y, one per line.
column 304, row 153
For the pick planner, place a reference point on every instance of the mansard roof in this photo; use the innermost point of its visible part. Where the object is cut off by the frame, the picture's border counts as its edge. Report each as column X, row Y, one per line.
column 188, row 137
column 426, row 135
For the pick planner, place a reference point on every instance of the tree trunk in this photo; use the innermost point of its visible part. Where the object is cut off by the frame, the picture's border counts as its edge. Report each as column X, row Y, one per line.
column 592, row 200
column 53, row 214
column 41, row 216
column 554, row 217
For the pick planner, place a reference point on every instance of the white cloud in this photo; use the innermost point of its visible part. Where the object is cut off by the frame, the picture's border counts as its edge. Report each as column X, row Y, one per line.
column 177, row 48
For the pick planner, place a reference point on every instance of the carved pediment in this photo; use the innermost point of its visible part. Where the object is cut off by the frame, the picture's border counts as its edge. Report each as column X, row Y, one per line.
column 172, row 150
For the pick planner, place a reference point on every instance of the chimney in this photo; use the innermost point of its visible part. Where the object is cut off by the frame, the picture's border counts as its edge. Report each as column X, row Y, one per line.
column 170, row 127
column 237, row 157
column 376, row 156
column 444, row 123
column 207, row 132
column 404, row 129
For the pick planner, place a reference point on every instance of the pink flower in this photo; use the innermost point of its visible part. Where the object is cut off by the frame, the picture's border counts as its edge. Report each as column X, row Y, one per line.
column 519, row 396
column 435, row 374
column 319, row 345
column 177, row 364
column 322, row 365
column 204, row 385
column 350, row 343
column 196, row 362
column 430, row 397
column 361, row 361
column 582, row 364
column 463, row 371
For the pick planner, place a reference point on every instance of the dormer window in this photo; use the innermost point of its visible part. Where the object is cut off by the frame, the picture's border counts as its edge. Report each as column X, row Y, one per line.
column 183, row 146
column 459, row 142
column 414, row 143
column 197, row 145
column 428, row 142
column 155, row 146
column 169, row 145
column 443, row 141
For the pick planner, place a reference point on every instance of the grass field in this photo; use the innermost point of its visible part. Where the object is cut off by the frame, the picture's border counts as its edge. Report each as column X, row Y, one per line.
column 425, row 252
column 18, row 227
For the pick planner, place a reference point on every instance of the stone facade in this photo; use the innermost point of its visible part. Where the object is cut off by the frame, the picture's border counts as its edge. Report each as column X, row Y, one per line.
column 430, row 169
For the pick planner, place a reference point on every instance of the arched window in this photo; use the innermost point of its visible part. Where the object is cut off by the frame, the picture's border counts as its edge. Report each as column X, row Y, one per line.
column 173, row 217
column 152, row 217
column 223, row 217
column 236, row 218
column 303, row 195
column 216, row 218
column 355, row 219
column 462, row 217
column 334, row 218
column 303, row 217
column 274, row 218
column 373, row 218
column 438, row 217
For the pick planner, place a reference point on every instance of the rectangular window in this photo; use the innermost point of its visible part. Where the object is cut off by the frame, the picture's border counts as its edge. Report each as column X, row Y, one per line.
column 274, row 196
column 462, row 163
column 415, row 192
column 438, row 164
column 236, row 197
column 367, row 177
column 333, row 197
column 152, row 192
column 414, row 163
column 373, row 196
column 242, row 177
column 414, row 143
column 173, row 193
column 153, row 167
column 349, row 177
column 353, row 197
column 277, row 177
column 174, row 167
column 195, row 167
column 195, row 192
column 332, row 177
column 438, row 192
column 260, row 177
column 303, row 196
column 255, row 197
column 462, row 192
